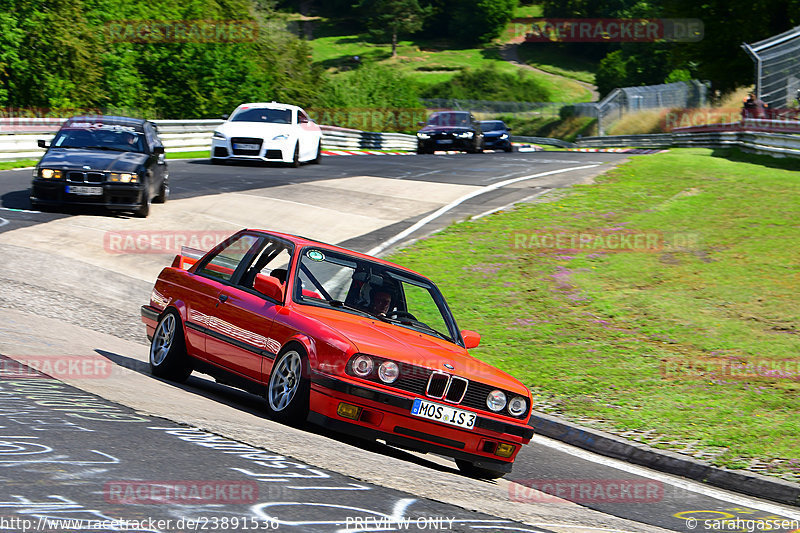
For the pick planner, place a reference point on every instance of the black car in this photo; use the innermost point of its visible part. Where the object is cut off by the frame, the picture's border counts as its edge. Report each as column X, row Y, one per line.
column 450, row 130
column 496, row 135
column 112, row 162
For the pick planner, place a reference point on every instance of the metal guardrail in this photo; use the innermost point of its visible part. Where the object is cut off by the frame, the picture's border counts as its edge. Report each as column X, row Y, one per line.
column 542, row 140
column 774, row 144
column 19, row 136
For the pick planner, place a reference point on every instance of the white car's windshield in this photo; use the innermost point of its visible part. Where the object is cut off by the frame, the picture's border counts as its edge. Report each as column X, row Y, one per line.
column 360, row 286
column 263, row 114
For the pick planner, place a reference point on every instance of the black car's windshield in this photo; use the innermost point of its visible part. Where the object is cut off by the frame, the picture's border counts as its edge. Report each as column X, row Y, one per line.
column 105, row 137
column 263, row 114
column 449, row 119
column 356, row 285
column 493, row 125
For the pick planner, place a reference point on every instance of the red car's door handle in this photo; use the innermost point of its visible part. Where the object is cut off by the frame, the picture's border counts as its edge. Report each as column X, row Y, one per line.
column 223, row 298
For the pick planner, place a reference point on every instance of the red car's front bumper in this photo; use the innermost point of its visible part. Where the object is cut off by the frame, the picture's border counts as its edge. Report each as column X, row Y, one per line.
column 387, row 416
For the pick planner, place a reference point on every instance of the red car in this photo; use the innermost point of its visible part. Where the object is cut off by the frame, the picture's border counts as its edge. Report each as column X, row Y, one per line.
column 350, row 342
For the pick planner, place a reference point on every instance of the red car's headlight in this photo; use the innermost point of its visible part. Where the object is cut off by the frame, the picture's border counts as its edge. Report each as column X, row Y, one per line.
column 388, row 371
column 362, row 366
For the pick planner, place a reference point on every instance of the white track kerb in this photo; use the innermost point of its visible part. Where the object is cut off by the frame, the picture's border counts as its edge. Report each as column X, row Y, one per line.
column 458, row 201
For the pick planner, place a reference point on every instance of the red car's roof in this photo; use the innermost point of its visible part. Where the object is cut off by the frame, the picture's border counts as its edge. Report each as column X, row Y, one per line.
column 304, row 241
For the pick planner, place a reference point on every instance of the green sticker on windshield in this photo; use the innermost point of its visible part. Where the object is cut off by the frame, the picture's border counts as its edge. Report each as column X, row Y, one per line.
column 315, row 255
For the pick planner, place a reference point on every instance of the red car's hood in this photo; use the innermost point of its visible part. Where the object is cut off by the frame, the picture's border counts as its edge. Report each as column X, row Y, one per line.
column 375, row 337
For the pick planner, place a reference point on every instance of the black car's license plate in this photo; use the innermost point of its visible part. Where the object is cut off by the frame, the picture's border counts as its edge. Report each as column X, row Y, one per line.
column 443, row 413
column 85, row 191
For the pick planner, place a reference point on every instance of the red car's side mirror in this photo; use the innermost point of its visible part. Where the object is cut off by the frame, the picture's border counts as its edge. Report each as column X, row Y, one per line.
column 269, row 287
column 471, row 339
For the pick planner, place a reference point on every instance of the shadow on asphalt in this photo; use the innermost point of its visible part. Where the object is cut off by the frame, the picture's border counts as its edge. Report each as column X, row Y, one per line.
column 201, row 385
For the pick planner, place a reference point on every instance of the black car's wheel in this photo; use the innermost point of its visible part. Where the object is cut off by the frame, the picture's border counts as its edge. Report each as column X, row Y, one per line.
column 296, row 158
column 288, row 387
column 469, row 469
column 168, row 358
column 217, row 161
column 509, row 148
column 144, row 207
column 163, row 193
column 317, row 160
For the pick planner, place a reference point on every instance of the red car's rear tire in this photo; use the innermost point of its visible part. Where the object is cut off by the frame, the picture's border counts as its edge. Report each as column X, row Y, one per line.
column 168, row 357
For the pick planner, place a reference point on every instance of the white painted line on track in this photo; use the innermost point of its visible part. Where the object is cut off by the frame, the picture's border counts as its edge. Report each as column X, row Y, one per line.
column 18, row 210
column 503, row 208
column 3, row 222
column 455, row 203
column 680, row 483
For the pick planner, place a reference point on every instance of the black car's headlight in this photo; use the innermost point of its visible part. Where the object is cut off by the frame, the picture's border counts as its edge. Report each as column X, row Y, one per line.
column 423, row 135
column 465, row 135
column 504, row 136
column 124, row 177
column 50, row 173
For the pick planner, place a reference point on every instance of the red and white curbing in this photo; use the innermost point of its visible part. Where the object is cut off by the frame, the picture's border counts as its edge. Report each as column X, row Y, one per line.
column 362, row 152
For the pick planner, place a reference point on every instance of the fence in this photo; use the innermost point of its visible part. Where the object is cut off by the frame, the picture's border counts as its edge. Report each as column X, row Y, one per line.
column 777, row 64
column 681, row 94
column 185, row 136
column 773, row 144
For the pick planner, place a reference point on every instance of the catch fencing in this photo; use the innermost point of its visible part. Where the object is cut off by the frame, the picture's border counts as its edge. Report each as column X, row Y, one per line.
column 617, row 103
column 777, row 65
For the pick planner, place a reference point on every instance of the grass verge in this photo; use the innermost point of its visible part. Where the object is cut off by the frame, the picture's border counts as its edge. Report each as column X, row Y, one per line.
column 22, row 163
column 639, row 341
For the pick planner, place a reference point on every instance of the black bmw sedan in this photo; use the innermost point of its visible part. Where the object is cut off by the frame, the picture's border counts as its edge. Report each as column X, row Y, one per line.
column 497, row 136
column 105, row 161
column 450, row 130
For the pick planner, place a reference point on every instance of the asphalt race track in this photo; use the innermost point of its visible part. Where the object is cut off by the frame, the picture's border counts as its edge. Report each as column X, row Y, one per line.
column 79, row 446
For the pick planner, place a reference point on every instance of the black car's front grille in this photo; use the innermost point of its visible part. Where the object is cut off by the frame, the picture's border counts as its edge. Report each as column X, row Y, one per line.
column 77, row 176
column 246, row 140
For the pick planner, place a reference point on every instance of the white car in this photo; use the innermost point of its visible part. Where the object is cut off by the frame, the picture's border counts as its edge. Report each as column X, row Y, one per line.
column 267, row 132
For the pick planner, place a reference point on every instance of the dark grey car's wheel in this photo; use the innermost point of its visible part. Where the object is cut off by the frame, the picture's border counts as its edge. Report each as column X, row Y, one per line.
column 469, row 469
column 163, row 193
column 168, row 358
column 144, row 207
column 288, row 387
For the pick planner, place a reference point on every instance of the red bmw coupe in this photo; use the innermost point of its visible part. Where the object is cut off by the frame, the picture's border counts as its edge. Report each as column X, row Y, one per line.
column 350, row 342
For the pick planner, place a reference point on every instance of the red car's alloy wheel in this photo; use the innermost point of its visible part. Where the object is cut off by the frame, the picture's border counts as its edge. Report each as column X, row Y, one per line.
column 288, row 389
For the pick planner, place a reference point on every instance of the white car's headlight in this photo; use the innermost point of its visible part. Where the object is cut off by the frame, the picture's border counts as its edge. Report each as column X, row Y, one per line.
column 218, row 135
column 281, row 137
column 465, row 135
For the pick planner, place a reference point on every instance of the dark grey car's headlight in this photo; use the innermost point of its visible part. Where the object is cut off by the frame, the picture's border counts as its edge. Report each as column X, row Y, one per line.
column 50, row 173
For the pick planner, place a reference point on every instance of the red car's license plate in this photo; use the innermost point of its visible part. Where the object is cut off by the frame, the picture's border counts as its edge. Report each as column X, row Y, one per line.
column 443, row 413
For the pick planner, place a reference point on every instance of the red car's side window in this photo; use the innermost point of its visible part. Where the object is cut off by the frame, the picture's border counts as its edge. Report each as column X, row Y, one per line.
column 222, row 265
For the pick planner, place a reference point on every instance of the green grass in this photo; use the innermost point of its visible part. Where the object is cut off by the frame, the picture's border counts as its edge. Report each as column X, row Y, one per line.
column 201, row 154
column 590, row 330
column 429, row 62
column 529, row 11
column 22, row 163
column 550, row 58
